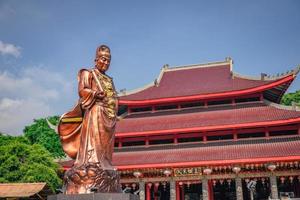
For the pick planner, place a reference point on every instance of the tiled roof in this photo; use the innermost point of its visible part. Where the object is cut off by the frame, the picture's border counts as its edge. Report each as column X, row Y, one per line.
column 209, row 143
column 193, row 81
column 256, row 150
column 262, row 151
column 207, row 118
column 20, row 189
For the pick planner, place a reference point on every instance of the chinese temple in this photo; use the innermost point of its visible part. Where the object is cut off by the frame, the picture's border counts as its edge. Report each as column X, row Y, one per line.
column 205, row 132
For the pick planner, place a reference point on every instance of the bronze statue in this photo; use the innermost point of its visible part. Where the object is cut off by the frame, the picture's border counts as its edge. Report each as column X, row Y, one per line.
column 87, row 132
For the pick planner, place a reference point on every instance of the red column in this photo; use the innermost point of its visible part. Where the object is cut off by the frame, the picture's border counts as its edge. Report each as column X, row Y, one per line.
column 182, row 191
column 179, row 107
column 233, row 102
column 175, row 139
column 261, row 97
column 177, row 191
column 205, row 104
column 148, row 191
column 235, row 135
column 210, row 190
column 155, row 190
column 153, row 109
column 204, row 138
column 267, row 134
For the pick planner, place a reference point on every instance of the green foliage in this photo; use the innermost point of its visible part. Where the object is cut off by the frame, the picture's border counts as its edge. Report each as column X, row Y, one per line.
column 40, row 133
column 288, row 98
column 22, row 162
column 7, row 139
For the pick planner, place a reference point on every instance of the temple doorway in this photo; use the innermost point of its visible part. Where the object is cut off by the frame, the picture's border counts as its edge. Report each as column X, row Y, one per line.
column 132, row 188
column 289, row 186
column 224, row 189
column 256, row 188
column 191, row 191
column 158, row 191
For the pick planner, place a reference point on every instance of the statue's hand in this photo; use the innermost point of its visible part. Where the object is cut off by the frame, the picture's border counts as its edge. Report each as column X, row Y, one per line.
column 100, row 95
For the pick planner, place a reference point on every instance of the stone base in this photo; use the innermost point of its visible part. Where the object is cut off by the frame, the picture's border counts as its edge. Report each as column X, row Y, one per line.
column 94, row 196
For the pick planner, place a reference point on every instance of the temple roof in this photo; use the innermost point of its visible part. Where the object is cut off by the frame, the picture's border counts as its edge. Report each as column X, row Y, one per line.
column 20, row 189
column 262, row 152
column 207, row 119
column 211, row 78
column 212, row 153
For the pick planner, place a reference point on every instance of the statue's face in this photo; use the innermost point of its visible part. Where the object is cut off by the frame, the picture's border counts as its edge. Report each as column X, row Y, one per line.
column 103, row 61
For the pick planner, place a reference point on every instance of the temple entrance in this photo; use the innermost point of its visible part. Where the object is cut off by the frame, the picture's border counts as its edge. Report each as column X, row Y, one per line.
column 224, row 189
column 158, row 191
column 256, row 188
column 132, row 188
column 191, row 191
column 289, row 186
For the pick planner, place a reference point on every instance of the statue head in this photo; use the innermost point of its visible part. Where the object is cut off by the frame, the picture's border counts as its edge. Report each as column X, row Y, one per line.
column 102, row 60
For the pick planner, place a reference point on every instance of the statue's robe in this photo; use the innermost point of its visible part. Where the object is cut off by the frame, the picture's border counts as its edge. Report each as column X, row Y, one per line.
column 92, row 139
column 99, row 120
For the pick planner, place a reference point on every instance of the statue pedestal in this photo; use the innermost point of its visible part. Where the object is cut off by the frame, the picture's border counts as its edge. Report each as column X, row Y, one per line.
column 94, row 196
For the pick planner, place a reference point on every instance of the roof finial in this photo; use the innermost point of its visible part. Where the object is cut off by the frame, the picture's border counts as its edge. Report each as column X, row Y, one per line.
column 156, row 82
column 262, row 76
column 228, row 59
column 166, row 66
column 123, row 91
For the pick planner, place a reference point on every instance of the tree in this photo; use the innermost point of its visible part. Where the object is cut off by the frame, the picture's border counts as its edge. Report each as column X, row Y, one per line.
column 7, row 139
column 40, row 133
column 288, row 98
column 22, row 162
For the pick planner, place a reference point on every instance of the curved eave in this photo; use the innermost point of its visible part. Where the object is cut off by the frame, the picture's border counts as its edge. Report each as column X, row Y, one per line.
column 205, row 163
column 209, row 128
column 284, row 81
column 211, row 163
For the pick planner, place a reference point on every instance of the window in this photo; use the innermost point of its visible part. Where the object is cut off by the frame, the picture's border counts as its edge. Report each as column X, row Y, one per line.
column 219, row 137
column 166, row 107
column 251, row 135
column 163, row 141
column 221, row 102
column 133, row 143
column 192, row 104
column 189, row 139
column 250, row 99
column 282, row 133
column 143, row 109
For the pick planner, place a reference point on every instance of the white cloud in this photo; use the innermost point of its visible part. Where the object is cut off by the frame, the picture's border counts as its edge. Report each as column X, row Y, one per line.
column 33, row 93
column 16, row 113
column 9, row 49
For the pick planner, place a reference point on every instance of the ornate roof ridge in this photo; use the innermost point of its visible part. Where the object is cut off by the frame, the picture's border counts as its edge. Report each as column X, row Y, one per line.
column 166, row 68
column 228, row 61
column 201, row 65
column 267, row 77
column 283, row 107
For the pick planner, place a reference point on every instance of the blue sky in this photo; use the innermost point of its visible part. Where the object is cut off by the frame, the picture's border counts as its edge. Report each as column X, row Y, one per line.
column 43, row 44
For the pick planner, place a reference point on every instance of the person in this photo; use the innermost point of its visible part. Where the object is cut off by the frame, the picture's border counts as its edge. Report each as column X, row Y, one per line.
column 91, row 144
